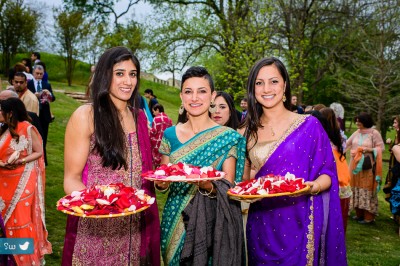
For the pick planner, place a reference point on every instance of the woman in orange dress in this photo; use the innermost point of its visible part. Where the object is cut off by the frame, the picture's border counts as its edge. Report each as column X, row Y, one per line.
column 22, row 180
column 332, row 128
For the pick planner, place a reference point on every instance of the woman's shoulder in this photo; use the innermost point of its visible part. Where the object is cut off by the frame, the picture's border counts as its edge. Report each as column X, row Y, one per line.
column 83, row 115
column 170, row 131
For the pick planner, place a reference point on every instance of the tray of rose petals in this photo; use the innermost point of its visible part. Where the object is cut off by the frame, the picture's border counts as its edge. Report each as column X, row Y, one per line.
column 268, row 186
column 182, row 172
column 105, row 201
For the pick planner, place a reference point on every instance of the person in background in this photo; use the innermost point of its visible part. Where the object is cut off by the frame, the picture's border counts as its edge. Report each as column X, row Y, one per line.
column 45, row 77
column 339, row 113
column 148, row 93
column 225, row 112
column 34, row 117
column 318, row 106
column 160, row 123
column 200, row 225
column 20, row 67
column 302, row 230
column 28, row 64
column 296, row 108
column 35, row 58
column 392, row 184
column 44, row 93
column 243, row 106
column 366, row 147
column 29, row 99
column 22, row 179
column 93, row 156
column 333, row 130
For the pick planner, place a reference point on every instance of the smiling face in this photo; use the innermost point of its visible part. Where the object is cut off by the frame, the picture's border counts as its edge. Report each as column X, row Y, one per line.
column 196, row 96
column 269, row 87
column 124, row 81
column 222, row 113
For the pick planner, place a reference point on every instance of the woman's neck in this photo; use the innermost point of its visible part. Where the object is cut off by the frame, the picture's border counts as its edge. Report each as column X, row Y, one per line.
column 200, row 123
column 275, row 115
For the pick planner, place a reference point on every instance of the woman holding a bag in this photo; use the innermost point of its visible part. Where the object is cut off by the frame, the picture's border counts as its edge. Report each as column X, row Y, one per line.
column 366, row 146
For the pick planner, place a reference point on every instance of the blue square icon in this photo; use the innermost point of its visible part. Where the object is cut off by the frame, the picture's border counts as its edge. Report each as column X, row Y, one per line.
column 16, row 246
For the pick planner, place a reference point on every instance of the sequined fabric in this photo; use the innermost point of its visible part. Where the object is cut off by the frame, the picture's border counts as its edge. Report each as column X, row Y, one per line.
column 113, row 241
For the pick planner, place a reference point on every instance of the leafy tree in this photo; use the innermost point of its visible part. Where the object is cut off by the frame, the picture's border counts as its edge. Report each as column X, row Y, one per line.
column 100, row 10
column 234, row 31
column 71, row 31
column 370, row 74
column 310, row 34
column 18, row 26
column 129, row 36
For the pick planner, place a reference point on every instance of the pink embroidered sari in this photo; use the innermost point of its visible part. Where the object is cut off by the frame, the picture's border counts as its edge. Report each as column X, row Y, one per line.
column 22, row 190
column 132, row 240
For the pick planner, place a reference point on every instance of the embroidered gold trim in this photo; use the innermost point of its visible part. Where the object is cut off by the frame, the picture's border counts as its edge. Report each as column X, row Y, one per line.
column 310, row 235
column 296, row 123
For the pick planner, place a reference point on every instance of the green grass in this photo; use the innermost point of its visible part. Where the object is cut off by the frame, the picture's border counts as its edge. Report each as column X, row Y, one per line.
column 366, row 244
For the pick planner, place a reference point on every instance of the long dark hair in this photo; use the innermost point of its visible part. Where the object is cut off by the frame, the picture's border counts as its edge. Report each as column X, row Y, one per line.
column 252, row 121
column 233, row 121
column 13, row 111
column 109, row 134
column 332, row 128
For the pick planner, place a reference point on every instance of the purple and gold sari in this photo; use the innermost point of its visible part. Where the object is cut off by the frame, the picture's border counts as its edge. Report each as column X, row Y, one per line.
column 304, row 230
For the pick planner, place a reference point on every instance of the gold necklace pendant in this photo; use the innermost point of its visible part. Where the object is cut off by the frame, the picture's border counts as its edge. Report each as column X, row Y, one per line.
column 272, row 131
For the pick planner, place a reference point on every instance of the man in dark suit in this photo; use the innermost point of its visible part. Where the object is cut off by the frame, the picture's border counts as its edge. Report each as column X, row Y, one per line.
column 44, row 92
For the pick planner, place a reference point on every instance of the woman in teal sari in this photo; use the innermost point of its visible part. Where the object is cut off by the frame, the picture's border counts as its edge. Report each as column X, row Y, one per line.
column 200, row 225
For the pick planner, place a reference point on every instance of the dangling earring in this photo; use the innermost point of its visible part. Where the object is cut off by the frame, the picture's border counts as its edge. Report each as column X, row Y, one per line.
column 213, row 108
column 284, row 98
column 181, row 109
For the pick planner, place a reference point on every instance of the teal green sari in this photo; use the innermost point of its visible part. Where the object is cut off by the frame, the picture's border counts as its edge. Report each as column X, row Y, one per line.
column 209, row 147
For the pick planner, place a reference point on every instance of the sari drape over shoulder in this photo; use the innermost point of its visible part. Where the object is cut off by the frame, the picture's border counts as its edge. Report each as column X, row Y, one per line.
column 303, row 230
column 22, row 190
column 210, row 147
column 131, row 240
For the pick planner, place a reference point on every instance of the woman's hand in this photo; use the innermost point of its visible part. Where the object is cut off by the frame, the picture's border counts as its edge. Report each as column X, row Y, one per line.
column 162, row 185
column 7, row 165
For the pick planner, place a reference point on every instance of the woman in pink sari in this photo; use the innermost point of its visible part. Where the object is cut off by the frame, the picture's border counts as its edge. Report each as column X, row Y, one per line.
column 22, row 180
column 108, row 142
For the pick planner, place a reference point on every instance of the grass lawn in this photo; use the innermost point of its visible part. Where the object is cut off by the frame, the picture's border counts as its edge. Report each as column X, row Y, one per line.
column 376, row 244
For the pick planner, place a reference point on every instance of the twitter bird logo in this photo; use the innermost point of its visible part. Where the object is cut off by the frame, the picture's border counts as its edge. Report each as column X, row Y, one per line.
column 24, row 246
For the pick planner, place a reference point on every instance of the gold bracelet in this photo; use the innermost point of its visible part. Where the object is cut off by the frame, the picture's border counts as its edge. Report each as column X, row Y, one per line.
column 161, row 190
column 319, row 189
column 23, row 161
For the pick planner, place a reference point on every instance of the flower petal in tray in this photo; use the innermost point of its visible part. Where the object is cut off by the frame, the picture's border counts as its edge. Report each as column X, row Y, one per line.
column 105, row 201
column 182, row 172
column 268, row 186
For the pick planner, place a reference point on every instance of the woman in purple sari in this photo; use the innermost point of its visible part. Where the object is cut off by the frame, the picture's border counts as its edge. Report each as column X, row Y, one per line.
column 108, row 142
column 302, row 230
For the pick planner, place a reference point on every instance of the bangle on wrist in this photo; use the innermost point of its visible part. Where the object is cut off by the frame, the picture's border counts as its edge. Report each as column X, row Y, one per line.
column 319, row 189
column 23, row 161
column 207, row 194
column 161, row 190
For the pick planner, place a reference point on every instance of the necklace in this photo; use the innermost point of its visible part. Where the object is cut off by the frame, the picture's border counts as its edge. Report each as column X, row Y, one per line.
column 272, row 131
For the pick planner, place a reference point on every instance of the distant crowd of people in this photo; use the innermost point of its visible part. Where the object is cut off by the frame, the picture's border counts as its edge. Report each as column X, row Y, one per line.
column 200, row 224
